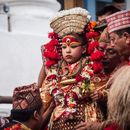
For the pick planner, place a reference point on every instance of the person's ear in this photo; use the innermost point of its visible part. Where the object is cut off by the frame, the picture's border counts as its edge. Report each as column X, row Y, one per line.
column 36, row 115
column 127, row 36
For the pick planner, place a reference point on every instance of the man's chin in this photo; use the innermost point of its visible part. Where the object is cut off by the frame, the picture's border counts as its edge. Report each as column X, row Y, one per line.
column 108, row 70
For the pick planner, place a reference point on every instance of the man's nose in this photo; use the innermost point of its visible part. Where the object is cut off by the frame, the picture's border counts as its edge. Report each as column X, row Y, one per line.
column 105, row 56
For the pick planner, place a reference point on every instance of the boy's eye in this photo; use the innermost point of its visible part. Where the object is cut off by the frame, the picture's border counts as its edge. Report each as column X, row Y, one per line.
column 112, row 39
column 101, row 49
column 63, row 47
column 74, row 46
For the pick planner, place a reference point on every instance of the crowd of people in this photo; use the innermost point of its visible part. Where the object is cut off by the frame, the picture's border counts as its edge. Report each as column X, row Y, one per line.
column 84, row 80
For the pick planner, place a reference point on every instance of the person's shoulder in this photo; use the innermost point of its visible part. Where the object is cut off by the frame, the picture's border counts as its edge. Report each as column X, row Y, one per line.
column 3, row 121
column 8, row 125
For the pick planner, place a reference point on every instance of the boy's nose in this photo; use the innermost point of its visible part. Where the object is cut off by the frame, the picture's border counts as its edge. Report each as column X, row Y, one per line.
column 68, row 50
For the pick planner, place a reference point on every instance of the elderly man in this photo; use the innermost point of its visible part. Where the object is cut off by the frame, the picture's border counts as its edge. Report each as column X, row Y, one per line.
column 117, row 52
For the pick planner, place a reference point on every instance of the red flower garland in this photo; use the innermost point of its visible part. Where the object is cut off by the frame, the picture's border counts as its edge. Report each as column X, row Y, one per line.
column 92, row 46
column 97, row 67
column 79, row 78
column 51, row 77
column 92, row 34
column 95, row 54
column 50, row 50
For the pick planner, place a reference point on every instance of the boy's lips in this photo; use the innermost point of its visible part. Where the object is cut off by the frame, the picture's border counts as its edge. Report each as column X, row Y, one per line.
column 68, row 57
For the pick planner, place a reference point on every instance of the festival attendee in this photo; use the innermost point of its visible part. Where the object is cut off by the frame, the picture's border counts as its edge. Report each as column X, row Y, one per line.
column 117, row 53
column 118, row 104
column 68, row 76
column 103, row 13
column 118, row 29
column 27, row 112
column 119, row 101
column 112, row 61
column 3, row 121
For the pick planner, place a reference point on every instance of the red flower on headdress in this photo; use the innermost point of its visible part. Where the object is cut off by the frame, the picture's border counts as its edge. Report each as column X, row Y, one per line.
column 51, row 45
column 97, row 67
column 51, row 77
column 92, row 46
column 93, row 24
column 92, row 34
column 79, row 78
column 52, row 55
column 53, row 35
column 49, row 63
column 50, row 50
column 97, row 55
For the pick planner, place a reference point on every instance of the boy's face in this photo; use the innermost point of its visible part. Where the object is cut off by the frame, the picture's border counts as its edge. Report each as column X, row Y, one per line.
column 72, row 49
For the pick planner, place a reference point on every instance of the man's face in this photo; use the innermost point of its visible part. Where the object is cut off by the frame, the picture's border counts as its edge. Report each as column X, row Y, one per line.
column 101, row 19
column 111, row 59
column 115, row 39
column 123, row 42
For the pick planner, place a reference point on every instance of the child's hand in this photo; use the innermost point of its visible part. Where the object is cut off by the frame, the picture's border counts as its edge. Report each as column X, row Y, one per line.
column 81, row 126
column 89, row 125
column 97, row 95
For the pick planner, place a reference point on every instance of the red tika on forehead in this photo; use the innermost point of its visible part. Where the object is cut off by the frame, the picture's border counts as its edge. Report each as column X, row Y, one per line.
column 69, row 40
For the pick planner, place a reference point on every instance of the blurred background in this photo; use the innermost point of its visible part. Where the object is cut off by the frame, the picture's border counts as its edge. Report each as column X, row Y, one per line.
column 24, row 25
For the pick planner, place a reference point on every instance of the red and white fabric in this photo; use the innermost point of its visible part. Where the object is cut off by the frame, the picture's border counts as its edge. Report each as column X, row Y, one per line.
column 119, row 20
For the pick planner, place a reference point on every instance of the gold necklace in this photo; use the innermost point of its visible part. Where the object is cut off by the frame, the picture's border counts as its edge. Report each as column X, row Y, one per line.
column 66, row 69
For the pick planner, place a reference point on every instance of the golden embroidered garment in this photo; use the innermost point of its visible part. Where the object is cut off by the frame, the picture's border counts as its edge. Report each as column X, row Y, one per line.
column 71, row 88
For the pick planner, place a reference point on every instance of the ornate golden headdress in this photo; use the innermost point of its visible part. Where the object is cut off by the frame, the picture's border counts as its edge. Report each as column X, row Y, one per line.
column 70, row 21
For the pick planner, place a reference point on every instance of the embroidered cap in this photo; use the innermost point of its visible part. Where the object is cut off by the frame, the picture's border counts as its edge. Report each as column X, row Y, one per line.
column 70, row 21
column 26, row 97
column 119, row 20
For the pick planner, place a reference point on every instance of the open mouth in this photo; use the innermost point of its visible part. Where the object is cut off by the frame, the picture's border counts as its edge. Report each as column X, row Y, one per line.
column 105, row 63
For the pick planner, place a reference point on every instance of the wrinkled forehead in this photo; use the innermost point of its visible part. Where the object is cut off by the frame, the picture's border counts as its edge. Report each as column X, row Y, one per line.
column 113, row 34
column 114, row 48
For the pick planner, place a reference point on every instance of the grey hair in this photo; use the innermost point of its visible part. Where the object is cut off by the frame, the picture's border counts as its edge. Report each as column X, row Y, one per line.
column 119, row 97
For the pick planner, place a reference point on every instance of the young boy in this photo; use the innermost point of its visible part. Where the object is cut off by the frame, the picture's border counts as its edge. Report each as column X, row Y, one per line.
column 67, row 75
